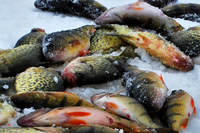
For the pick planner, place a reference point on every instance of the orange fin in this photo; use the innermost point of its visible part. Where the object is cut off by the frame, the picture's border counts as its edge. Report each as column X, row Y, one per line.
column 78, row 114
column 76, row 122
column 193, row 106
column 161, row 78
column 68, row 92
column 110, row 105
column 184, row 123
column 83, row 52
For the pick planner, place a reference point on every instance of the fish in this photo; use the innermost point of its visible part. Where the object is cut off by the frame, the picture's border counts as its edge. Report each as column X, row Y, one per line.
column 187, row 11
column 38, row 79
column 92, row 129
column 74, row 116
column 2, row 51
column 6, row 83
column 124, row 106
column 140, row 14
column 6, row 112
column 84, row 8
column 188, row 41
column 66, row 45
column 34, row 37
column 177, row 109
column 33, row 130
column 20, row 58
column 89, row 69
column 38, row 99
column 156, row 46
column 146, row 86
column 160, row 3
column 105, row 43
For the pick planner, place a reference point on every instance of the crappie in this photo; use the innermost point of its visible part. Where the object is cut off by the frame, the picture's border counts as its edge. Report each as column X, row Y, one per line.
column 18, row 59
column 188, row 11
column 89, row 69
column 140, row 14
column 156, row 46
column 34, row 37
column 74, row 116
column 188, row 41
column 66, row 45
column 6, row 112
column 38, row 99
column 85, row 8
column 145, row 86
column 105, row 43
column 124, row 106
column 177, row 109
column 159, row 3
column 33, row 130
column 39, row 79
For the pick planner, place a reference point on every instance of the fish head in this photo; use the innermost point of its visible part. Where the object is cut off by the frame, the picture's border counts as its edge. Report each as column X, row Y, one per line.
column 95, row 98
column 76, row 72
column 28, row 120
column 108, row 17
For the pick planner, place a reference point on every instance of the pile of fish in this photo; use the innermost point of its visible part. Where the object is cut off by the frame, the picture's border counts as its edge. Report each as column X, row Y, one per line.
column 37, row 71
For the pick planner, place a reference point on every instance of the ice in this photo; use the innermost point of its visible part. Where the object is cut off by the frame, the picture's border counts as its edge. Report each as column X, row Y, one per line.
column 20, row 16
column 55, row 79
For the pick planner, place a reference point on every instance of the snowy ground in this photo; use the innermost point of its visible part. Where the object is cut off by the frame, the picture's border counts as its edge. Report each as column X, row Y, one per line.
column 18, row 17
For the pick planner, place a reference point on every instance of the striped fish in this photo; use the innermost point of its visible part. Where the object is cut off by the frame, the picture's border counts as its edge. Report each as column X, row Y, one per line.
column 38, row 99
column 177, row 109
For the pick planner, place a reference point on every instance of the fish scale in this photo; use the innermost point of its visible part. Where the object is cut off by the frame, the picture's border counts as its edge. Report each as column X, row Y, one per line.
column 38, row 78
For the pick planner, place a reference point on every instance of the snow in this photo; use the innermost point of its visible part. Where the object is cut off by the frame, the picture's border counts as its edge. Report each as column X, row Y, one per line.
column 18, row 17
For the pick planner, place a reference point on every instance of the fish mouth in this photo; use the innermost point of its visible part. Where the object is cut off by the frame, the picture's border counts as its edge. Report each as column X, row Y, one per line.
column 97, row 96
column 29, row 120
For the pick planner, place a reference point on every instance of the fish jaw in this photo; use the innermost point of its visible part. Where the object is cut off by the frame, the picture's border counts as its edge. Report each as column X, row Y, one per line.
column 96, row 97
column 28, row 120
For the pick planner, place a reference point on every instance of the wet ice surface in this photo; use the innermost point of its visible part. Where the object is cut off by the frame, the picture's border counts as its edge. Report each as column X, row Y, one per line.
column 19, row 17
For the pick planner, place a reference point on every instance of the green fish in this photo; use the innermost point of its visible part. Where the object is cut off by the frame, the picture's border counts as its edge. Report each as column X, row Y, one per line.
column 38, row 99
column 20, row 58
column 188, row 11
column 159, row 3
column 38, row 79
column 34, row 37
column 188, row 41
column 66, row 45
column 84, row 8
